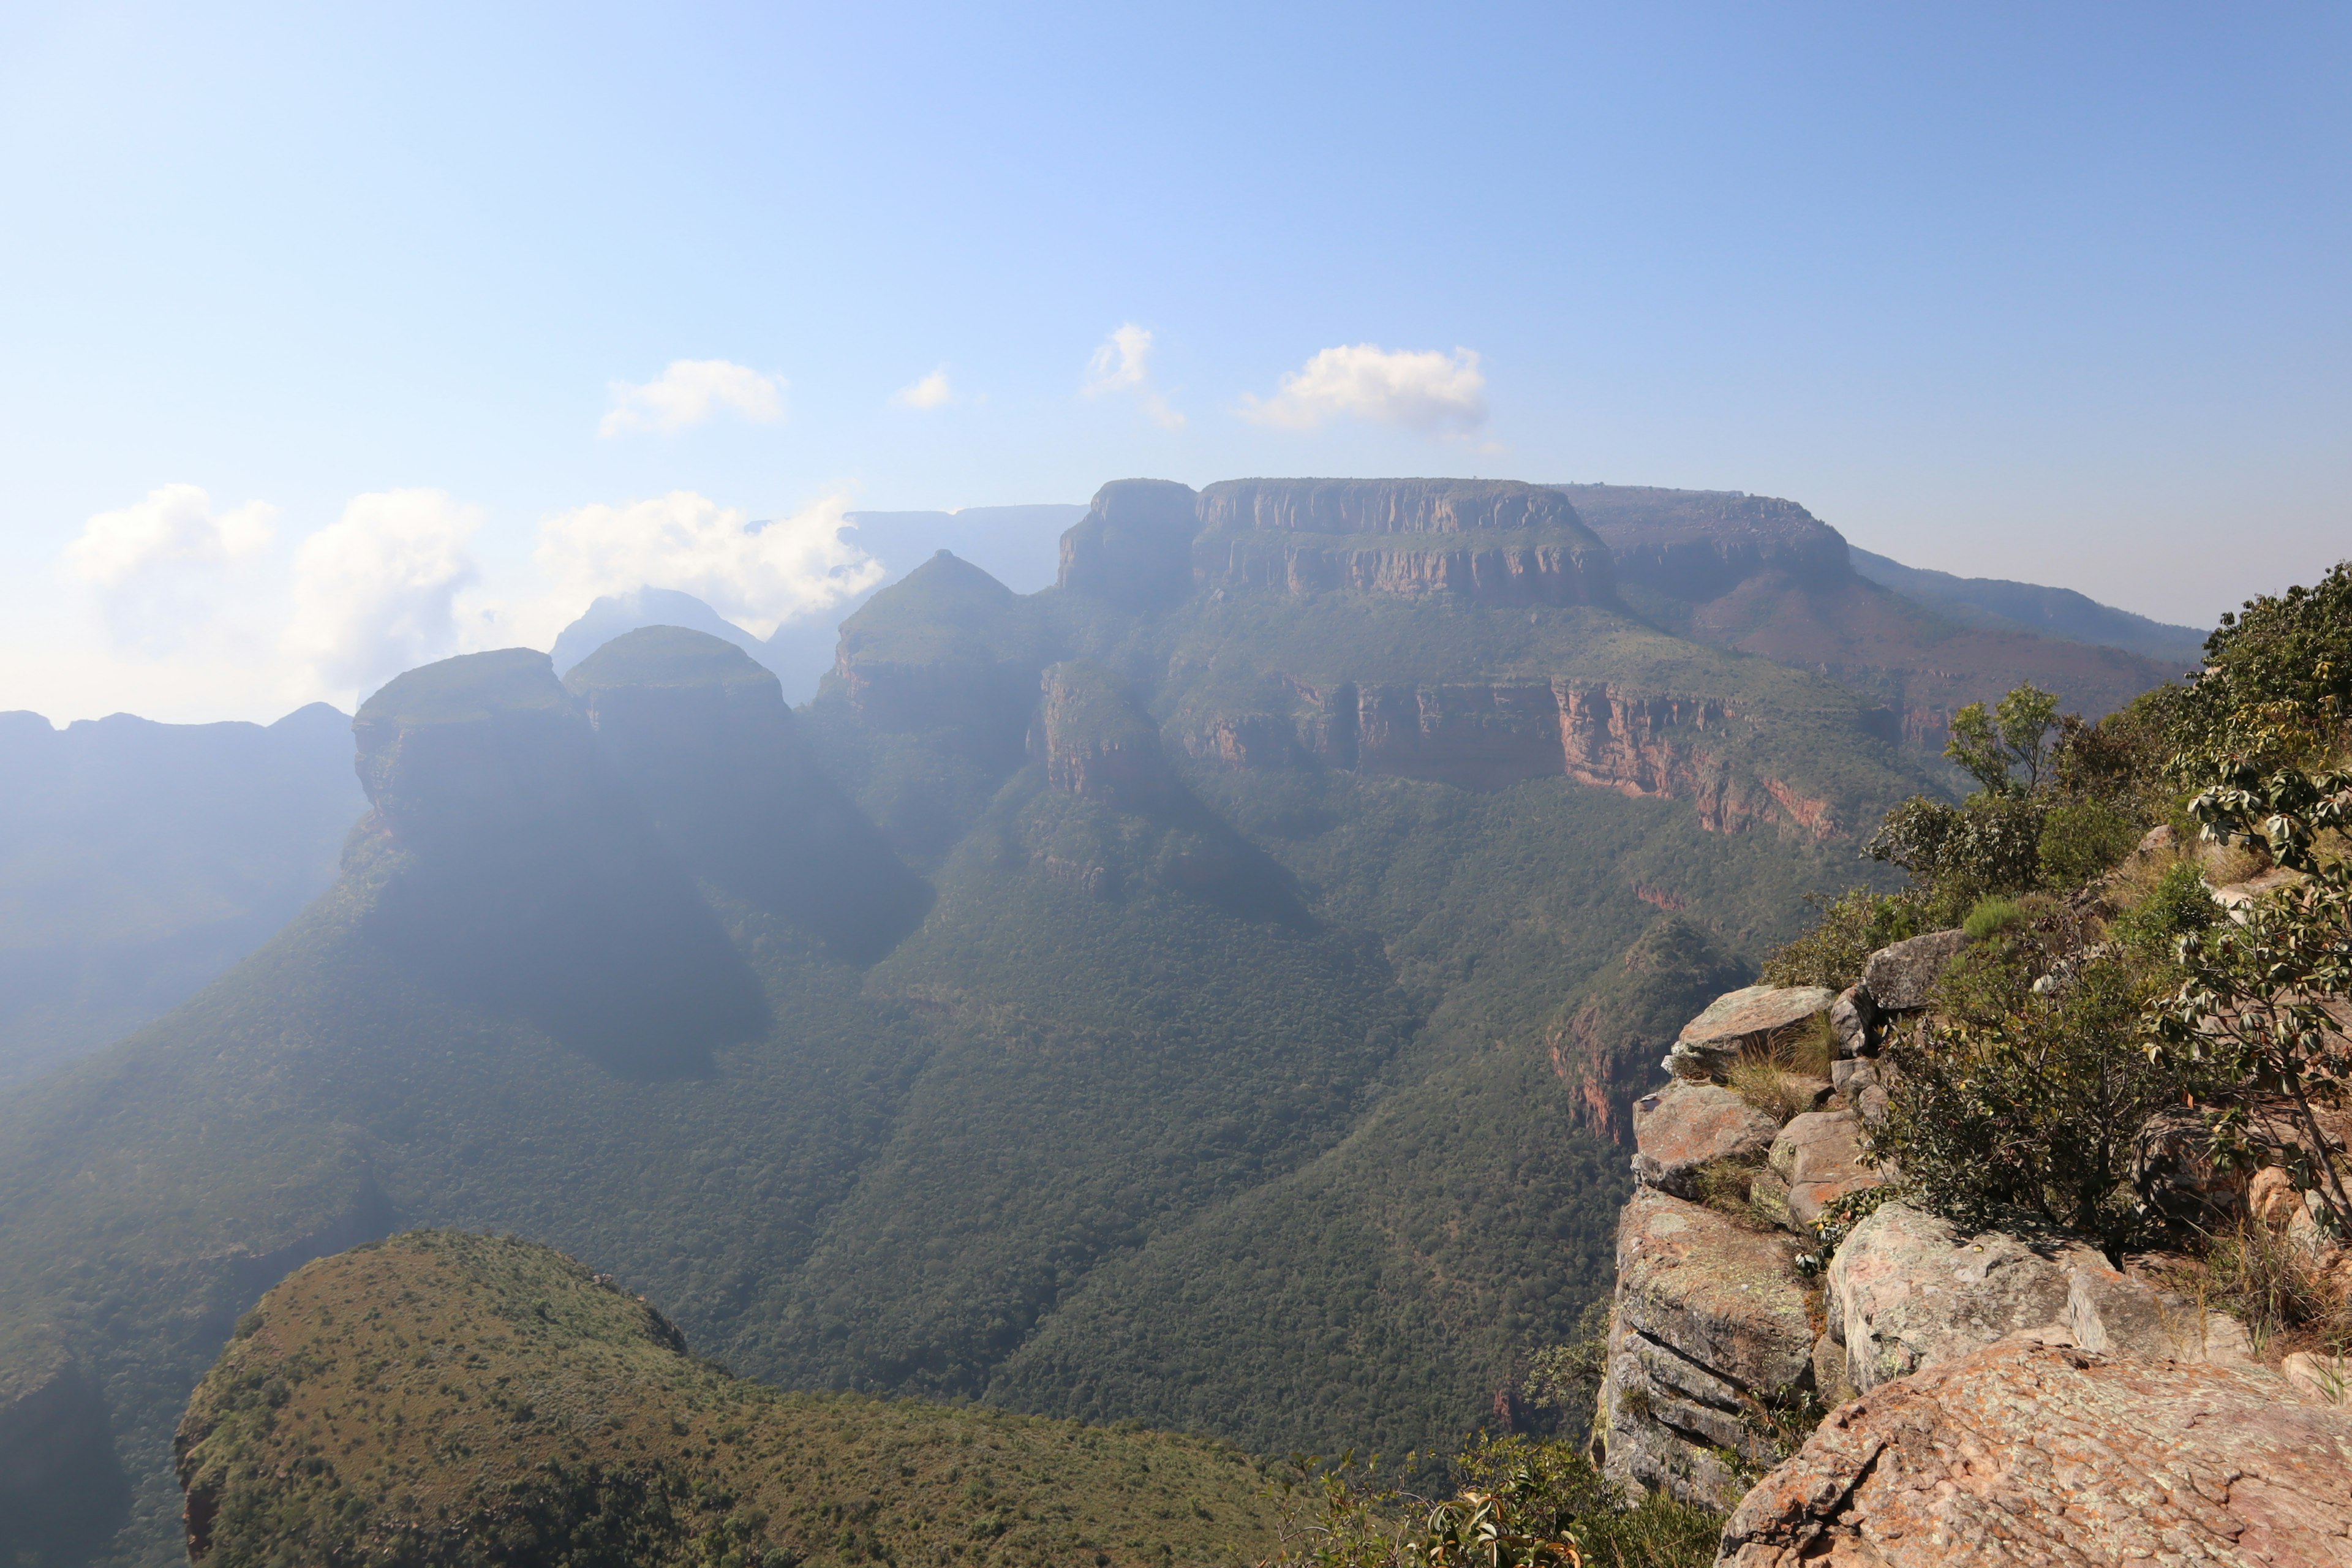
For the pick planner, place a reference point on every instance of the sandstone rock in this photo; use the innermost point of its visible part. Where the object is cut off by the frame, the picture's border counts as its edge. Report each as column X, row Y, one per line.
column 1740, row 1020
column 1830, row 1379
column 1709, row 1331
column 1852, row 1016
column 2235, row 897
column 1900, row 978
column 1819, row 1155
column 1908, row 1292
column 1685, row 1125
column 1862, row 1081
column 2025, row 1453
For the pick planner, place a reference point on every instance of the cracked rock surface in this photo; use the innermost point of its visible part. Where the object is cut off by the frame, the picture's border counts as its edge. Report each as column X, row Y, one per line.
column 2030, row 1454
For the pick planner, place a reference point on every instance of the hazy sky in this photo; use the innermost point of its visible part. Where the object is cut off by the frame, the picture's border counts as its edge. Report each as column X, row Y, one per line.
column 337, row 338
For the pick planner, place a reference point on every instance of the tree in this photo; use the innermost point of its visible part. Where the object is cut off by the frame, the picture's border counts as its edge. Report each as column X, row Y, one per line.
column 1991, row 747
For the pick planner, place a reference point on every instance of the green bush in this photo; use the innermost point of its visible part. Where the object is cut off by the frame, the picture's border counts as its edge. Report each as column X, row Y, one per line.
column 1990, row 917
column 2081, row 838
column 1856, row 925
column 2179, row 904
column 1957, row 854
column 2026, row 1098
column 1523, row 1503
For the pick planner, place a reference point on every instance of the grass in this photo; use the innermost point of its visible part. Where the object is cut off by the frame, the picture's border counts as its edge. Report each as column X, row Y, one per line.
column 1784, row 1076
column 2271, row 1283
column 446, row 1397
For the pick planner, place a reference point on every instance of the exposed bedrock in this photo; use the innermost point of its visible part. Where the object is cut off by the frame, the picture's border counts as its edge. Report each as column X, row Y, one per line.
column 1387, row 506
column 1494, row 574
column 1489, row 735
column 1134, row 547
column 1710, row 1339
column 2030, row 1454
column 1685, row 1127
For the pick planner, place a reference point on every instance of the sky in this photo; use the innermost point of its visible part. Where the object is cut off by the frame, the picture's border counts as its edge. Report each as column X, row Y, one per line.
column 336, row 338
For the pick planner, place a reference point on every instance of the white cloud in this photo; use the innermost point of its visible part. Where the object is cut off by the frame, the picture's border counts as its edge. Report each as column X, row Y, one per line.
column 757, row 575
column 166, row 570
column 689, row 391
column 931, row 392
column 173, row 528
column 1427, row 391
column 1123, row 363
column 373, row 591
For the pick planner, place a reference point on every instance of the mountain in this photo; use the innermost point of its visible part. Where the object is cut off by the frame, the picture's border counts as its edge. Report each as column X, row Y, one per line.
column 139, row 861
column 553, row 1417
column 1767, row 577
column 1156, row 997
column 2004, row 605
column 615, row 614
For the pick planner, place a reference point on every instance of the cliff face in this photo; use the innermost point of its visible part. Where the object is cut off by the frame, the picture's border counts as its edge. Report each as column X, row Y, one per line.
column 1491, row 543
column 1488, row 735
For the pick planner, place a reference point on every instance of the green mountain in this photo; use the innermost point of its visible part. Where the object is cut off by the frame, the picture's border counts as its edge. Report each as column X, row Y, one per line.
column 463, row 1399
column 1202, row 991
column 139, row 861
column 2006, row 606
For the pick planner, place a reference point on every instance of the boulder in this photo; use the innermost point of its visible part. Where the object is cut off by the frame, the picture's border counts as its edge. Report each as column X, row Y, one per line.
column 1853, row 1019
column 2026, row 1453
column 1685, row 1125
column 1819, row 1155
column 1710, row 1335
column 1908, row 1292
column 1742, row 1020
column 1899, row 979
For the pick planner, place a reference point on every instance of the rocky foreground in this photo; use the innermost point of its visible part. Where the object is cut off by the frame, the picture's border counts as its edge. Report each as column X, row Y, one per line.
column 1921, row 1395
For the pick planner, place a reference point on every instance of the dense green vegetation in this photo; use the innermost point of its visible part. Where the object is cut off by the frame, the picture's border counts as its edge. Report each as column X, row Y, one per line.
column 456, row 1400
column 1251, row 1111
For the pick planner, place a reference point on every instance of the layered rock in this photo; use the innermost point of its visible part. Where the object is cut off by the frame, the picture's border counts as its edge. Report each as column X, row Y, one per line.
column 1134, row 547
column 1750, row 1019
column 1491, row 542
column 2026, row 1453
column 1710, row 1341
column 1819, row 1159
column 1605, row 1042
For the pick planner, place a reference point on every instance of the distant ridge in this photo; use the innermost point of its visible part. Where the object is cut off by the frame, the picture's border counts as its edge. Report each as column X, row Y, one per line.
column 2003, row 605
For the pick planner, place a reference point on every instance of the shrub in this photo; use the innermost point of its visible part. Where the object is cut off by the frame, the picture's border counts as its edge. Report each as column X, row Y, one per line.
column 1856, row 925
column 1957, row 854
column 2019, row 1096
column 2177, row 904
column 2272, row 1284
column 2081, row 838
column 1522, row 1503
column 1990, row 917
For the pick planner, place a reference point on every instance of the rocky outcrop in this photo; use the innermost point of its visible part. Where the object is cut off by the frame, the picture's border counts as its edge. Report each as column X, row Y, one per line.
column 948, row 650
column 1605, row 1041
column 1752, row 1019
column 1908, row 1292
column 1134, row 547
column 1819, row 1158
column 1710, row 1341
column 1685, row 1127
column 1097, row 745
column 2028, row 1453
column 1902, row 978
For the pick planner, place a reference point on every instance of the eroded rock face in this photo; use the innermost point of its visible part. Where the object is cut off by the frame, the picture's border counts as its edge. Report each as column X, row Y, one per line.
column 1900, row 978
column 1819, row 1155
column 1741, row 1020
column 1708, row 1332
column 2025, row 1453
column 1134, row 547
column 1685, row 1125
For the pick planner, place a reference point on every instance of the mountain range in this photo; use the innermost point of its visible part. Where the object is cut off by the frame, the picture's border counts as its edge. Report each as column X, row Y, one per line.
column 1203, row 992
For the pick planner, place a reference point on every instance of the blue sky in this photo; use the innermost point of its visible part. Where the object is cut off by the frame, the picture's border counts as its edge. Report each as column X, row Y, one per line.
column 2047, row 292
